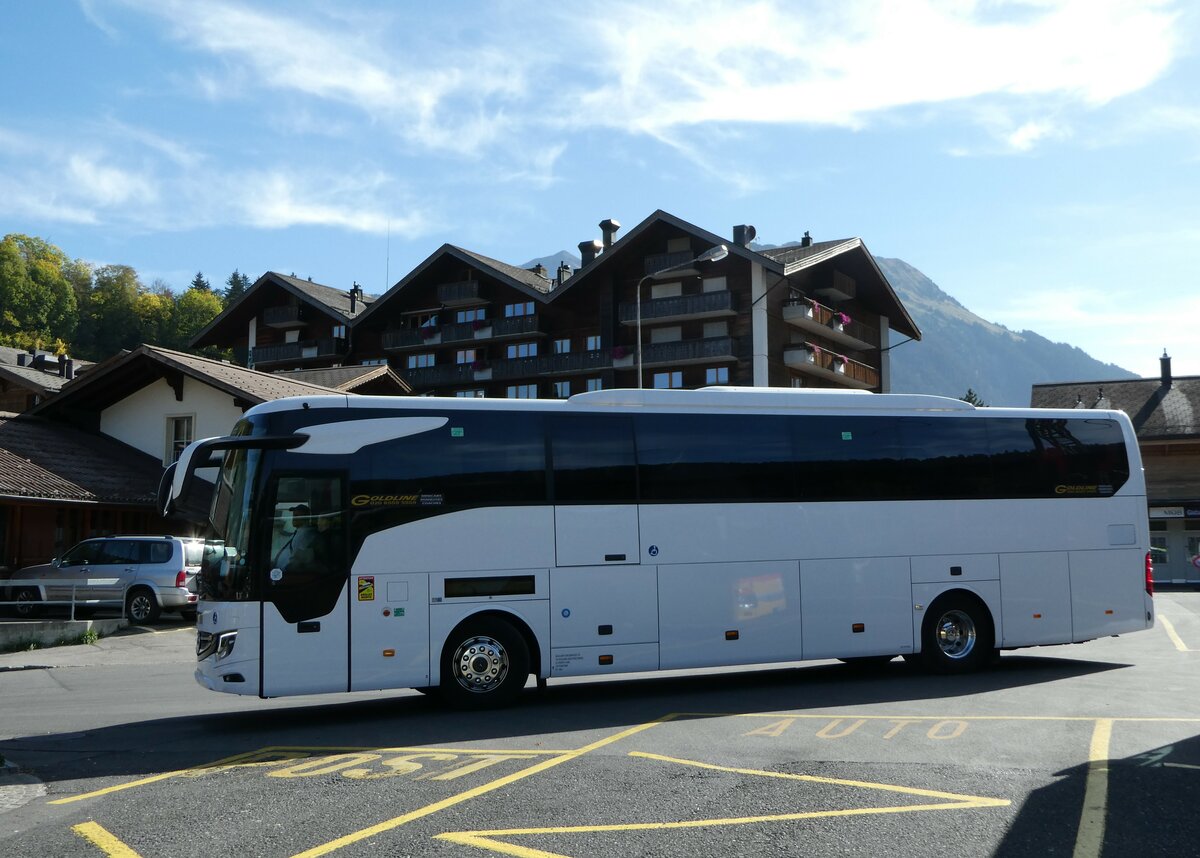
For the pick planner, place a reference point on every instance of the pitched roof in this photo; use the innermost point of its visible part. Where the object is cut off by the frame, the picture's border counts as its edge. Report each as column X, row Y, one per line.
column 791, row 254
column 44, row 380
column 48, row 460
column 117, row 377
column 336, row 302
column 1159, row 411
column 348, row 379
column 521, row 279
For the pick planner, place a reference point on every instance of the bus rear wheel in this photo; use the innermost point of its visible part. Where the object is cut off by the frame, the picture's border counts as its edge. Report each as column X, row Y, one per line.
column 957, row 635
column 484, row 664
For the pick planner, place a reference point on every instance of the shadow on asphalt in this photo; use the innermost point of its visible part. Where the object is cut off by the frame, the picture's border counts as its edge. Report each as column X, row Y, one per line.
column 157, row 746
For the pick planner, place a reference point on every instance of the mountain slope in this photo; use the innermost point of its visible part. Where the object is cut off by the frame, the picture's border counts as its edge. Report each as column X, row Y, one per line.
column 959, row 350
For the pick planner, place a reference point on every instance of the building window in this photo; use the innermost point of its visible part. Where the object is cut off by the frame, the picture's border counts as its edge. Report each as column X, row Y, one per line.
column 593, row 344
column 562, row 389
column 525, row 308
column 419, row 361
column 562, row 347
column 713, row 284
column 339, row 332
column 595, row 384
column 522, row 391
column 716, row 375
column 179, row 435
column 663, row 380
column 374, row 362
column 522, row 350
column 474, row 393
column 466, row 356
column 475, row 314
column 292, row 336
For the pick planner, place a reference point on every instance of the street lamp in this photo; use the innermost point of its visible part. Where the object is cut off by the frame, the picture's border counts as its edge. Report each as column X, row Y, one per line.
column 713, row 254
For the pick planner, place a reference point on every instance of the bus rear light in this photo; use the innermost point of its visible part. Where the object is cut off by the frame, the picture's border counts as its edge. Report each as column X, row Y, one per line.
column 1149, row 574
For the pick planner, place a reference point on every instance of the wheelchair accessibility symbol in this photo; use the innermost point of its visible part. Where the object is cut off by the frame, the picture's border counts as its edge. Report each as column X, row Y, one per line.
column 653, row 550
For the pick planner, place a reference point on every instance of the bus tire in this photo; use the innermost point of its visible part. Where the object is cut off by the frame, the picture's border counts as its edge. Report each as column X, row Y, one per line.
column 485, row 664
column 957, row 635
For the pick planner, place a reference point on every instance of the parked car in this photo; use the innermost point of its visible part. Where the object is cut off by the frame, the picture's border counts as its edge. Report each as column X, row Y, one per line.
column 147, row 574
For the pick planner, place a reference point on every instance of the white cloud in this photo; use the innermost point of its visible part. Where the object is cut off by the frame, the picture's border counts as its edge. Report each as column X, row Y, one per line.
column 839, row 63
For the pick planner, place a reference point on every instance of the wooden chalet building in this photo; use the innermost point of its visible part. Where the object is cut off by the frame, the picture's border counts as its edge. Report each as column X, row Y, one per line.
column 284, row 322
column 461, row 324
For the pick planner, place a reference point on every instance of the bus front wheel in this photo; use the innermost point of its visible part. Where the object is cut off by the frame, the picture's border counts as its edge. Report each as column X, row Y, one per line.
column 484, row 664
column 957, row 635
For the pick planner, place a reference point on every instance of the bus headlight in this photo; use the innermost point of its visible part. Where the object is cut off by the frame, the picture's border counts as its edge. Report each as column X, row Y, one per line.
column 225, row 642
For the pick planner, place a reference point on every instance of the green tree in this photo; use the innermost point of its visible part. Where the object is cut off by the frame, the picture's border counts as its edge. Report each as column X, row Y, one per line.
column 155, row 310
column 199, row 282
column 194, row 309
column 237, row 285
column 110, row 321
column 973, row 398
column 37, row 300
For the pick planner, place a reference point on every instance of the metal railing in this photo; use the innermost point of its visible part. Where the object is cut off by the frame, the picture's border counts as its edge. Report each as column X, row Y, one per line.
column 10, row 587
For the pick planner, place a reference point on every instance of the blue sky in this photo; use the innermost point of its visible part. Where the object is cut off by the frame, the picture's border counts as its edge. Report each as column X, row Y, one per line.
column 1039, row 160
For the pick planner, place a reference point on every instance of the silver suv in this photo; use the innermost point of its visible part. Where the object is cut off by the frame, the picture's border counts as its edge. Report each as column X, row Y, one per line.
column 148, row 574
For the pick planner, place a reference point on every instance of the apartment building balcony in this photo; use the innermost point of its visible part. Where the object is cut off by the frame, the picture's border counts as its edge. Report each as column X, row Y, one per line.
column 571, row 363
column 815, row 318
column 298, row 352
column 812, row 360
column 286, row 316
column 662, row 261
column 461, row 332
column 425, row 377
column 459, row 294
column 683, row 352
column 706, row 305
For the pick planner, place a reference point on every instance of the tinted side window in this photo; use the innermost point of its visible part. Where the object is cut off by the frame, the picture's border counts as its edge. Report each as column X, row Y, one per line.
column 478, row 459
column 117, row 551
column 157, row 552
column 84, row 552
column 714, row 457
column 945, row 457
column 1058, row 458
column 848, row 458
column 593, row 458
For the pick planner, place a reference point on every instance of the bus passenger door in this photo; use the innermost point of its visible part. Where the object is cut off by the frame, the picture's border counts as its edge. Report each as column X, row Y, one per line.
column 305, row 621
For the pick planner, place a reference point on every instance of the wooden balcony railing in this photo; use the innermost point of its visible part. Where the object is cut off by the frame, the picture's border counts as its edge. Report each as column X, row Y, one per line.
column 304, row 350
column 704, row 305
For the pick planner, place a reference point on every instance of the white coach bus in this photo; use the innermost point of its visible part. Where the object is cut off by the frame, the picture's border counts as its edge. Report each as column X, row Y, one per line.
column 364, row 543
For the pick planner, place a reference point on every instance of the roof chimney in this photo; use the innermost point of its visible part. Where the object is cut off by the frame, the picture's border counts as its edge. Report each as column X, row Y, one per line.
column 21, row 358
column 356, row 293
column 564, row 273
column 609, row 228
column 807, row 240
column 69, row 369
column 1165, row 364
column 540, row 270
column 744, row 234
column 588, row 251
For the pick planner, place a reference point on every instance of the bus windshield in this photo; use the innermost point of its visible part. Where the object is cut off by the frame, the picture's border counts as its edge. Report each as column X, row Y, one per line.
column 225, row 571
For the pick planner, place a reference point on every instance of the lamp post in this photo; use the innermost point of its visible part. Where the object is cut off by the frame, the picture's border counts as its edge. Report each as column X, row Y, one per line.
column 713, row 254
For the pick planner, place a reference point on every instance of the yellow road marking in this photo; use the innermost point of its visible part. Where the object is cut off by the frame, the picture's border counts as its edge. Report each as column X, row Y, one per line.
column 1173, row 635
column 1090, row 838
column 486, row 839
column 96, row 834
column 151, row 779
column 453, row 800
column 831, row 715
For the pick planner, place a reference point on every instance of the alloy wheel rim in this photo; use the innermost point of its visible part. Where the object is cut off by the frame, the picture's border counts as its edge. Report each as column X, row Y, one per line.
column 480, row 664
column 956, row 634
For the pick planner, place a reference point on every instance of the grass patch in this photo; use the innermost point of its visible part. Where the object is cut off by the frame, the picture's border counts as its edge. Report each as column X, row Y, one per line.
column 90, row 636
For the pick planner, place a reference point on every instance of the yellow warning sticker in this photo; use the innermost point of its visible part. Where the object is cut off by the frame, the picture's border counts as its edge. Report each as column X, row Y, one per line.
column 366, row 588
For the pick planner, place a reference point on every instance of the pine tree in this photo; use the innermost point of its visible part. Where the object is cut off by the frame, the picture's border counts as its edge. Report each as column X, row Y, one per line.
column 198, row 282
column 973, row 398
column 238, row 284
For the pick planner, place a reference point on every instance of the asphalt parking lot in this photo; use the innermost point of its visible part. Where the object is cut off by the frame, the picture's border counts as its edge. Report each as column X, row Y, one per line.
column 1087, row 750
